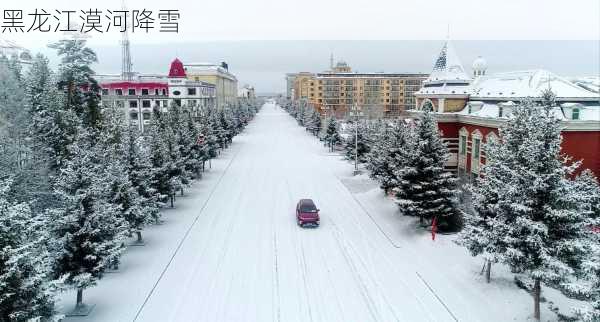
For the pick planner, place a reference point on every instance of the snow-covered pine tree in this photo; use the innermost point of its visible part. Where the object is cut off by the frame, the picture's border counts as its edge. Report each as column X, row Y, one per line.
column 82, row 93
column 13, row 120
column 218, row 129
column 479, row 235
column 114, row 147
column 161, row 143
column 312, row 121
column 330, row 133
column 532, row 222
column 210, row 142
column 181, row 143
column 88, row 229
column 191, row 148
column 389, row 153
column 300, row 113
column 25, row 294
column 586, row 191
column 140, row 172
column 48, row 127
column 350, row 143
column 424, row 188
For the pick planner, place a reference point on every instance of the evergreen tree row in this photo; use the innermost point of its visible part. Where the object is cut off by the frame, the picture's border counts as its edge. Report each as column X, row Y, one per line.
column 76, row 180
column 407, row 160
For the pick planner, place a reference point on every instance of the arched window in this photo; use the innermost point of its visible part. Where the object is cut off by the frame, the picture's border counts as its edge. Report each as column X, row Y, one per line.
column 427, row 105
column 476, row 151
column 463, row 137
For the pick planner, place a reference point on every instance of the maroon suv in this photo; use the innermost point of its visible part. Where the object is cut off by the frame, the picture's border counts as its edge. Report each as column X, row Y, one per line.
column 307, row 213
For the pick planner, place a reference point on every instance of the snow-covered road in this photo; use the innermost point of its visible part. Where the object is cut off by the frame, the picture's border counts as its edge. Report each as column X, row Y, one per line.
column 245, row 259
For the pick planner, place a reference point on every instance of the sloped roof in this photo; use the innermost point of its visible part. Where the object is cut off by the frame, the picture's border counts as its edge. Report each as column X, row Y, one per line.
column 447, row 66
column 176, row 69
column 528, row 83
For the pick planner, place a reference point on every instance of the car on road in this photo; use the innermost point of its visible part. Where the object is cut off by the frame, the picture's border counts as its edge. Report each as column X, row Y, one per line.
column 307, row 214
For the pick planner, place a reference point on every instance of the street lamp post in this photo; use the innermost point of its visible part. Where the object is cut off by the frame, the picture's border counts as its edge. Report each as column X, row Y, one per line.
column 356, row 113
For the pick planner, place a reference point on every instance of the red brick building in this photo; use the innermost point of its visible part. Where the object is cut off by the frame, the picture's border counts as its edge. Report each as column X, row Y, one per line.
column 471, row 107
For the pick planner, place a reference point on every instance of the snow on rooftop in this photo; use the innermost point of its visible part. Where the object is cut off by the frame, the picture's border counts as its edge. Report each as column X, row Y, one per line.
column 448, row 66
column 528, row 83
column 590, row 83
column 563, row 112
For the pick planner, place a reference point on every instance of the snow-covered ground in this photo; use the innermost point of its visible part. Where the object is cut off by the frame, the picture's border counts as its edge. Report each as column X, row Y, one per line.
column 231, row 250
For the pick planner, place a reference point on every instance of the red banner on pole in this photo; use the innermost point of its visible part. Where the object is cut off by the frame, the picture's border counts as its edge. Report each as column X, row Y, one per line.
column 433, row 228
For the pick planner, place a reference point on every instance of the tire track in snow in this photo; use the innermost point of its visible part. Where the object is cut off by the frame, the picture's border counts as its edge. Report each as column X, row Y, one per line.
column 436, row 296
column 187, row 232
column 368, row 214
column 364, row 291
column 388, row 260
column 276, row 297
column 276, row 277
column 325, row 260
column 301, row 260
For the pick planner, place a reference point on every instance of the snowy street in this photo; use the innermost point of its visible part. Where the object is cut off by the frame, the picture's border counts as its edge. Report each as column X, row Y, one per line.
column 243, row 258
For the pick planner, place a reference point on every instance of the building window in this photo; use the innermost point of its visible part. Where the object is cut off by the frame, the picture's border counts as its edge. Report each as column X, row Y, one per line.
column 104, row 91
column 476, row 152
column 164, row 92
column 119, row 92
column 463, row 145
column 131, row 91
column 133, row 104
column 500, row 110
column 176, row 93
column 146, row 103
column 575, row 115
column 144, row 91
column 146, row 115
column 156, row 91
column 476, row 146
column 191, row 91
column 133, row 115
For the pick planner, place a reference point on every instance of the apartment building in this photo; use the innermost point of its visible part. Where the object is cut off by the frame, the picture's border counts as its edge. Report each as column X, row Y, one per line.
column 225, row 82
column 334, row 92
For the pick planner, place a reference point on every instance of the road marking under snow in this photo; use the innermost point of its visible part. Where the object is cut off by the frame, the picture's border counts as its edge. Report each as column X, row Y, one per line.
column 187, row 232
column 436, row 296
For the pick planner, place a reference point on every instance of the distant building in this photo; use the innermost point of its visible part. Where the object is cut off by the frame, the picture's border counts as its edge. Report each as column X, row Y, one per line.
column 290, row 78
column 247, row 92
column 334, row 92
column 471, row 109
column 225, row 82
column 194, row 94
column 10, row 50
column 139, row 96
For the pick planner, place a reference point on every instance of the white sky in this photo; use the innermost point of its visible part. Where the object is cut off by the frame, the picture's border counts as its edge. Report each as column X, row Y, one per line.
column 345, row 19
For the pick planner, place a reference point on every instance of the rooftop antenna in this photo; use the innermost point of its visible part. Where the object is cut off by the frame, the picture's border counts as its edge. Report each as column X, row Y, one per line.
column 126, row 65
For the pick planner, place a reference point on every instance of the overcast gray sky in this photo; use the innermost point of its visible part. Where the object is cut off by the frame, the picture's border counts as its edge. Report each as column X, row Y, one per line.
column 220, row 30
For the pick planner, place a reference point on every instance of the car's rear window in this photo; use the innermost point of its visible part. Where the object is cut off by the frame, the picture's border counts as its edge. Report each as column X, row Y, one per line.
column 308, row 208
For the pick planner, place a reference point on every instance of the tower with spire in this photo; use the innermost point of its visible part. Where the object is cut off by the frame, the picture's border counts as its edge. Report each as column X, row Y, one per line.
column 448, row 86
column 126, row 65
